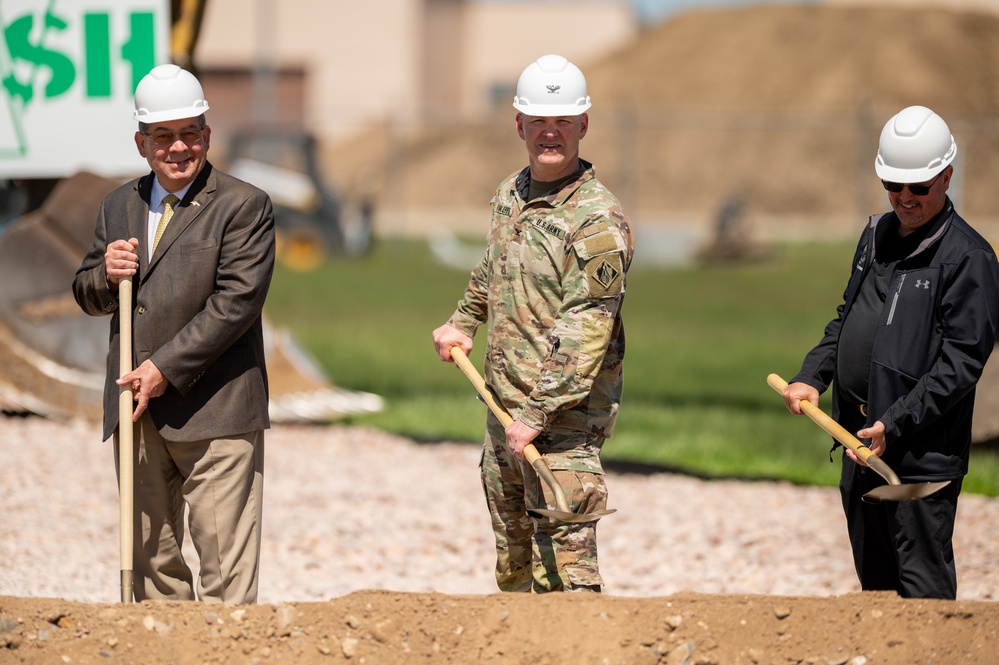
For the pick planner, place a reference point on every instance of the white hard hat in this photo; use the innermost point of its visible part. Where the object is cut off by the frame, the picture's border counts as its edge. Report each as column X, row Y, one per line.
column 168, row 92
column 915, row 146
column 551, row 86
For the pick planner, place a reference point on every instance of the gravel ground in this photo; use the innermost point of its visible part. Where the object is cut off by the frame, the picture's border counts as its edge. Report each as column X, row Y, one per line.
column 351, row 508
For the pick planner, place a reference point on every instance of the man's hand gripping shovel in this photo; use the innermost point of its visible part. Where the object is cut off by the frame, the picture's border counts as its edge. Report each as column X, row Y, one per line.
column 894, row 490
column 563, row 514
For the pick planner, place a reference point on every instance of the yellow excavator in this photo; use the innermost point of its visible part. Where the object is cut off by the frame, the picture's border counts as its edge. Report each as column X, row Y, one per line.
column 52, row 355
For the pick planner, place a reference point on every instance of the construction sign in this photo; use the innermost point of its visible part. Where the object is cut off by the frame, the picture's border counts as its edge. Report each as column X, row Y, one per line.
column 68, row 70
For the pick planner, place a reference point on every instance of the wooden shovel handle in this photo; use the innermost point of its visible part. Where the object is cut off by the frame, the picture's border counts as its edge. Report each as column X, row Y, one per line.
column 530, row 451
column 465, row 365
column 126, row 480
column 839, row 433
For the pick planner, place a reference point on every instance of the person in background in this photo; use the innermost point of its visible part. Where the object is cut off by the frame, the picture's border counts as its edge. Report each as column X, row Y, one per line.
column 904, row 354
column 199, row 247
column 549, row 291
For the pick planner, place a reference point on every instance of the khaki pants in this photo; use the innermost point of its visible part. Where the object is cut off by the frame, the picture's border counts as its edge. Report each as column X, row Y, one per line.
column 221, row 481
column 541, row 555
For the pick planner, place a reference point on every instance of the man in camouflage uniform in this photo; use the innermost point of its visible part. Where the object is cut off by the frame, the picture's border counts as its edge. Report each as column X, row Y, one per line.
column 549, row 289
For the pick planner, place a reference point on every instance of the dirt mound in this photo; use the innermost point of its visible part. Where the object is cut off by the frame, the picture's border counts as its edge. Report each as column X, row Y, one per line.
column 778, row 105
column 383, row 627
column 809, row 57
column 377, row 549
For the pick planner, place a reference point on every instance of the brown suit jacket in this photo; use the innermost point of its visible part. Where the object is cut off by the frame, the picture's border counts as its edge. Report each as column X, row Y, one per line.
column 196, row 305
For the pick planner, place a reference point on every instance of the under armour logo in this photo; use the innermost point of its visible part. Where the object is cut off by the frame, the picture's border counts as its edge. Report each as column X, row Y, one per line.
column 553, row 89
column 922, row 283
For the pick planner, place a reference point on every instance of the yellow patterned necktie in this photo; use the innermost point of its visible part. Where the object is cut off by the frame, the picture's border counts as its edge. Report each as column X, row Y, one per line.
column 169, row 201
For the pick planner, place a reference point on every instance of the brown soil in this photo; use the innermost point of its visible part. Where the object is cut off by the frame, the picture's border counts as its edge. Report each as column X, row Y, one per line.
column 384, row 627
column 695, row 571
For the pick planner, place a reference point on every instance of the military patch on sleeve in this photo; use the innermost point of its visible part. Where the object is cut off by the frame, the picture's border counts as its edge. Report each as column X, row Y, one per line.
column 604, row 275
column 597, row 240
column 503, row 210
column 600, row 244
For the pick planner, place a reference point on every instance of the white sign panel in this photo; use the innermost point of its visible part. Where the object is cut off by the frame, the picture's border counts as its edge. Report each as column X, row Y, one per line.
column 68, row 70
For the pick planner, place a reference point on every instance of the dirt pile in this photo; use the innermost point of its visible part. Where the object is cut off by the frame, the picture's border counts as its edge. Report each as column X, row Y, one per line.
column 384, row 627
column 809, row 57
column 780, row 106
column 377, row 549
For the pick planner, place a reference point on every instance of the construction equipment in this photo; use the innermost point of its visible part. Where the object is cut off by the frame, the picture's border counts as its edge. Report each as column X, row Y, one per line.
column 562, row 514
column 52, row 355
column 894, row 490
column 312, row 220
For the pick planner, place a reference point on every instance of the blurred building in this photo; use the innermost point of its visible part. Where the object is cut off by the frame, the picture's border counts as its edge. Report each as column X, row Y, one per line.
column 339, row 67
column 760, row 103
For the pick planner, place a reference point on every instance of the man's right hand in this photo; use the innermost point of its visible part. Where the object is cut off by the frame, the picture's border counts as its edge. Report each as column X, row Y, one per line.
column 121, row 260
column 447, row 336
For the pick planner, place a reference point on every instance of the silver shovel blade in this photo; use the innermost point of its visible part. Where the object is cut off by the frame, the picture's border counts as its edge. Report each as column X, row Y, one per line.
column 570, row 518
column 903, row 492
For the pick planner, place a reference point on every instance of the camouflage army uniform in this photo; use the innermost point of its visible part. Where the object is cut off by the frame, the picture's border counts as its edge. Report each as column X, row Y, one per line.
column 550, row 289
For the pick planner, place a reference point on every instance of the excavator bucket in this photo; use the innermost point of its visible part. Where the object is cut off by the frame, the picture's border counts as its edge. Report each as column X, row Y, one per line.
column 52, row 355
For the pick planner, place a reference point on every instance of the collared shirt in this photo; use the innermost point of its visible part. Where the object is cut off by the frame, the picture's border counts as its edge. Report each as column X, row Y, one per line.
column 156, row 209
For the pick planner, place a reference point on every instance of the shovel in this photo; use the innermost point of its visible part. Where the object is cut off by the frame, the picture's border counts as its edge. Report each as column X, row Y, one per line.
column 125, row 438
column 894, row 490
column 563, row 514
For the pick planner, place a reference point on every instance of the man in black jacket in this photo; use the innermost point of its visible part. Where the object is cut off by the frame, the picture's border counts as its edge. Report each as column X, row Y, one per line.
column 905, row 352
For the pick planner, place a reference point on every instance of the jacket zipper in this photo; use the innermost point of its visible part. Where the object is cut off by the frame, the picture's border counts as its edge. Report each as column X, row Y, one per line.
column 894, row 300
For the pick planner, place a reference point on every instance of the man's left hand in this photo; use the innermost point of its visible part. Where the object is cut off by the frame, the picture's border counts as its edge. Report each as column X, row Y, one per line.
column 518, row 435
column 877, row 444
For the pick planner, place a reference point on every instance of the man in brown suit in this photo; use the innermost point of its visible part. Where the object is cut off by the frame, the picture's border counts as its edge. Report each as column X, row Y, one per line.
column 199, row 245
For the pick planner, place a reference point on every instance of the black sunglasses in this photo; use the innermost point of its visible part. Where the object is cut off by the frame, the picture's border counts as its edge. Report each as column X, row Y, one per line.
column 915, row 190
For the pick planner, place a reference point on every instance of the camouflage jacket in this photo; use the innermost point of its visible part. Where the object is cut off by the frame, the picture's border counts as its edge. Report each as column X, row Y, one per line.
column 550, row 289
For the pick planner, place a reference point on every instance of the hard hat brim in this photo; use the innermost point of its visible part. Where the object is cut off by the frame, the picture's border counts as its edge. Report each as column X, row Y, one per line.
column 551, row 111
column 172, row 114
column 907, row 176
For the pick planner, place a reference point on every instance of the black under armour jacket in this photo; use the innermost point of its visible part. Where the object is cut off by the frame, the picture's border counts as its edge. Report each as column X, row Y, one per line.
column 936, row 331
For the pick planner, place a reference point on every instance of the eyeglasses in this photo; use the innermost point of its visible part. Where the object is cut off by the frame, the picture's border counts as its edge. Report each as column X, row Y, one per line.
column 165, row 137
column 915, row 190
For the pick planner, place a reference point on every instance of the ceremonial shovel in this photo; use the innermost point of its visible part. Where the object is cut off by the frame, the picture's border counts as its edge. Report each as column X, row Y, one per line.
column 894, row 490
column 563, row 514
column 125, row 438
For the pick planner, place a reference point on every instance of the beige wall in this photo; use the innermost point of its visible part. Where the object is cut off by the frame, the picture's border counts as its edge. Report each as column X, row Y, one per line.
column 405, row 61
column 359, row 57
column 505, row 37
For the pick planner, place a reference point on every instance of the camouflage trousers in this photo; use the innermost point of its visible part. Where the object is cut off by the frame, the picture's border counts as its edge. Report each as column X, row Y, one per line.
column 540, row 554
